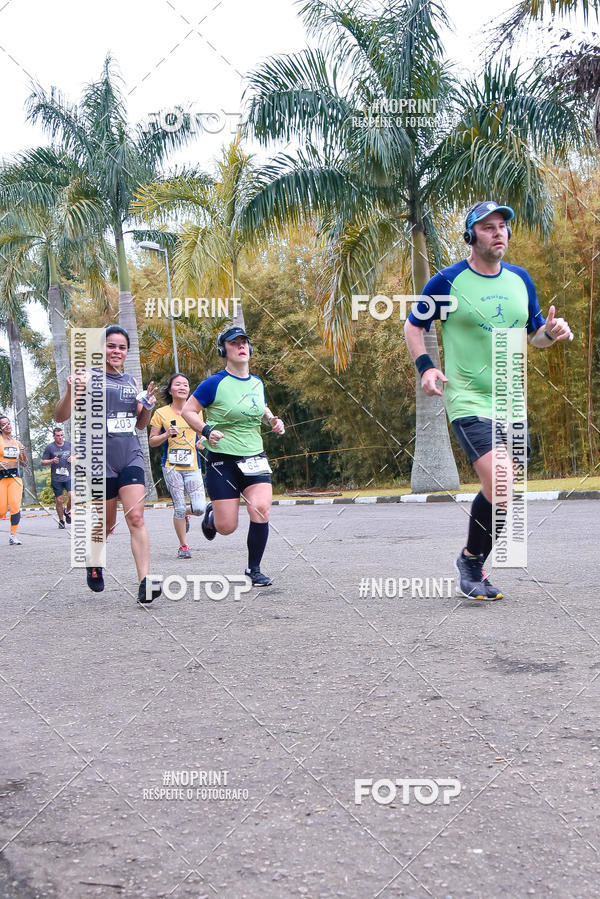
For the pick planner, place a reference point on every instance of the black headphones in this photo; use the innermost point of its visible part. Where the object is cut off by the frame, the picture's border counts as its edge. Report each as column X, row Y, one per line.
column 230, row 334
column 469, row 234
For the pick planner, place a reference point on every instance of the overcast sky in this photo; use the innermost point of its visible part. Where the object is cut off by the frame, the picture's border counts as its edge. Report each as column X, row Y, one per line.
column 193, row 52
column 189, row 52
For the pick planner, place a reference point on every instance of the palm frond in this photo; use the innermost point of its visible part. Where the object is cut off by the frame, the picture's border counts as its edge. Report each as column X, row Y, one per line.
column 296, row 94
column 202, row 262
column 353, row 257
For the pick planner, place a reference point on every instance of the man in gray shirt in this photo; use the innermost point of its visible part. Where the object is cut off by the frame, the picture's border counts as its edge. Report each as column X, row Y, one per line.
column 58, row 456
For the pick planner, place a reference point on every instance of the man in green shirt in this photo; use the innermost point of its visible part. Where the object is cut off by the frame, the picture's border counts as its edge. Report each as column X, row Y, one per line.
column 472, row 298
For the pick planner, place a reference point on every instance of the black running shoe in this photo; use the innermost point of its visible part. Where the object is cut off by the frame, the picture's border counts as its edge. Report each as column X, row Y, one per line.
column 470, row 577
column 68, row 517
column 209, row 531
column 492, row 592
column 144, row 596
column 258, row 578
column 95, row 580
column 61, row 525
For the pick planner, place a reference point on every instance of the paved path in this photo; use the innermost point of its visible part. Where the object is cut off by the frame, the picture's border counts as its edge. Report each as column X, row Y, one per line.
column 295, row 692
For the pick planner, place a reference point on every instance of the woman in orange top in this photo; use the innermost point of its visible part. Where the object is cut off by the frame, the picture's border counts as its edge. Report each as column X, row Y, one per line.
column 11, row 485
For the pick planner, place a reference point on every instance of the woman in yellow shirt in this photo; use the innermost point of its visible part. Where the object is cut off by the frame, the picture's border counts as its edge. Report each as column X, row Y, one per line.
column 180, row 457
column 11, row 485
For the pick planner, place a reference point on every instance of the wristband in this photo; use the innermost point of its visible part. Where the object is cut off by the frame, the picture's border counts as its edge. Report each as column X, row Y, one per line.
column 207, row 430
column 549, row 336
column 423, row 363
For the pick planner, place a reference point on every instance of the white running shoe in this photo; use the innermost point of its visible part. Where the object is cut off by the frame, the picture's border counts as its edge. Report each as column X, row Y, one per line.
column 13, row 540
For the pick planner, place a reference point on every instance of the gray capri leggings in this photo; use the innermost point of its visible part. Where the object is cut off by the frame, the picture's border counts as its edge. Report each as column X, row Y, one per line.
column 179, row 482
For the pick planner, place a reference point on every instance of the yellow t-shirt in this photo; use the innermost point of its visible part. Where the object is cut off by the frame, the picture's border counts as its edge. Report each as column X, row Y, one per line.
column 177, row 452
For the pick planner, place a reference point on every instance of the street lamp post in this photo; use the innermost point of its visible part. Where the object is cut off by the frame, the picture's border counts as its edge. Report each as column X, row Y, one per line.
column 152, row 245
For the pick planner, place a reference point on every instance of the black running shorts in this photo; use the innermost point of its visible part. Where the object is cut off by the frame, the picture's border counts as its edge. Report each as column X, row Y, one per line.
column 224, row 480
column 59, row 486
column 476, row 435
column 131, row 474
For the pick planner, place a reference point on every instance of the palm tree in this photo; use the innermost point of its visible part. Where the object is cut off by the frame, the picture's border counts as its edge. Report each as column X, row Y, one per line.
column 12, row 321
column 578, row 69
column 527, row 11
column 50, row 213
column 196, row 347
column 578, row 72
column 378, row 183
column 210, row 241
column 117, row 159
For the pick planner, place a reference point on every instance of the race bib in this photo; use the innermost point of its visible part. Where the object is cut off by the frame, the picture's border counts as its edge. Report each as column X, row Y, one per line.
column 254, row 465
column 62, row 472
column 121, row 423
column 180, row 456
column 11, row 452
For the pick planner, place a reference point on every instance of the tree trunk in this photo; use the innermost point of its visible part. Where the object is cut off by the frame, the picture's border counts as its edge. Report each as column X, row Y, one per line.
column 60, row 348
column 433, row 467
column 20, row 400
column 127, row 320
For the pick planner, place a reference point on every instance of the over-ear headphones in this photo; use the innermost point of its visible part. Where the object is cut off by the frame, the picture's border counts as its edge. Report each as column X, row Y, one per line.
column 469, row 235
column 231, row 334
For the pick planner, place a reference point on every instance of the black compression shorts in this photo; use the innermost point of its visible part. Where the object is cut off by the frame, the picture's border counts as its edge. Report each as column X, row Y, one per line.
column 132, row 474
column 223, row 478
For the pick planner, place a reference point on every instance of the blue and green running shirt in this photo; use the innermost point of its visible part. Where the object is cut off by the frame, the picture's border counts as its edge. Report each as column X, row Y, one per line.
column 234, row 406
column 483, row 302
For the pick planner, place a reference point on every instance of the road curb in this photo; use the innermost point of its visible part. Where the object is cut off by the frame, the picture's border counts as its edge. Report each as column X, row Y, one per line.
column 532, row 495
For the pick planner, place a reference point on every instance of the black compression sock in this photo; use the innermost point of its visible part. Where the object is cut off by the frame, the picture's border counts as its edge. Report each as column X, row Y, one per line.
column 479, row 540
column 258, row 534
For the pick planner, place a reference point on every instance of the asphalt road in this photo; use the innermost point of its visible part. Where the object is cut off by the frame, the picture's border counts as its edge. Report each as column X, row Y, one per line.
column 289, row 695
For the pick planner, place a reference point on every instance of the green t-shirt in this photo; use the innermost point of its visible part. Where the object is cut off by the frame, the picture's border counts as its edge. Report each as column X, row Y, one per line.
column 483, row 302
column 234, row 406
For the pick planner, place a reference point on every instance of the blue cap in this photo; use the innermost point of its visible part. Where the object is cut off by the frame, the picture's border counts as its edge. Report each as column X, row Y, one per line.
column 482, row 210
column 231, row 334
